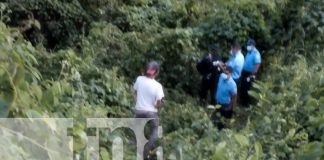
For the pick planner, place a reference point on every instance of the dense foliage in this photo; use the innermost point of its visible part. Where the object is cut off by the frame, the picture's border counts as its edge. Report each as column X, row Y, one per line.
column 79, row 58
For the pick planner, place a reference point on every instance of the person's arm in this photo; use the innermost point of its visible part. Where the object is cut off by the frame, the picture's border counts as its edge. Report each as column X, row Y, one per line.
column 222, row 66
column 233, row 101
column 135, row 95
column 256, row 68
column 257, row 62
column 159, row 104
column 233, row 96
column 160, row 96
column 135, row 88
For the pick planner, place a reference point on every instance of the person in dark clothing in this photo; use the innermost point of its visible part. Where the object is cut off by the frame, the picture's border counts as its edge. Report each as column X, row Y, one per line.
column 210, row 72
column 250, row 68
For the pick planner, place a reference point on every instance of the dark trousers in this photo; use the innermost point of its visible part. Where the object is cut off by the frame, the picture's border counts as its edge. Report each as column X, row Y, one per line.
column 208, row 86
column 246, row 85
column 224, row 112
column 154, row 128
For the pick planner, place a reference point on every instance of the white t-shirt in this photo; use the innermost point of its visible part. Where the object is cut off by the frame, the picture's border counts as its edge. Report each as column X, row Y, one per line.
column 149, row 91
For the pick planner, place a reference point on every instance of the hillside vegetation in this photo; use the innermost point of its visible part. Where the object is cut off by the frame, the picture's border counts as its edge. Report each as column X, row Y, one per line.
column 78, row 59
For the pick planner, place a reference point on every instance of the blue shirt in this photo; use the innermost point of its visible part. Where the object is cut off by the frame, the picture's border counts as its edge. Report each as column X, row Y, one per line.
column 252, row 58
column 226, row 88
column 236, row 62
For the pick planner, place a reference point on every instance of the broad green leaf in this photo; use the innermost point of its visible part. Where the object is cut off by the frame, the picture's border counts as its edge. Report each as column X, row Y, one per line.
column 243, row 141
column 313, row 150
column 19, row 76
column 33, row 114
column 37, row 24
column 37, row 92
column 56, row 88
column 80, row 140
column 258, row 152
column 221, row 145
column 104, row 153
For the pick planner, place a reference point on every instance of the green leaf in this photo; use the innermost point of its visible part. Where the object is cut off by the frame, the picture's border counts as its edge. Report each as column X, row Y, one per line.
column 313, row 150
column 243, row 141
column 37, row 24
column 19, row 76
column 104, row 153
column 37, row 92
column 80, row 140
column 33, row 114
column 258, row 152
column 56, row 88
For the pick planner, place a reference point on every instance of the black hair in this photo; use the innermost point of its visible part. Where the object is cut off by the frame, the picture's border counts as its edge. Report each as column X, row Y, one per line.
column 236, row 44
column 250, row 41
column 152, row 65
column 213, row 48
column 229, row 69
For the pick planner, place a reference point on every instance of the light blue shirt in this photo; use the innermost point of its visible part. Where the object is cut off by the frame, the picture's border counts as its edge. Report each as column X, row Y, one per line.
column 252, row 58
column 225, row 90
column 236, row 62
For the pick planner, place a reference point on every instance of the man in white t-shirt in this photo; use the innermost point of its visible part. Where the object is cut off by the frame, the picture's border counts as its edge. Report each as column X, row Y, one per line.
column 149, row 95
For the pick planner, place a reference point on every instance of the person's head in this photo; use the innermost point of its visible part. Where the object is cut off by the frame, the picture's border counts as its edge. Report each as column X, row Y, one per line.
column 228, row 70
column 250, row 44
column 213, row 48
column 152, row 69
column 235, row 47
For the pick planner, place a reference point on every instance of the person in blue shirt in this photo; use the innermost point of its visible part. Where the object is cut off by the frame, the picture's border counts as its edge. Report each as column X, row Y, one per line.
column 250, row 69
column 236, row 61
column 226, row 95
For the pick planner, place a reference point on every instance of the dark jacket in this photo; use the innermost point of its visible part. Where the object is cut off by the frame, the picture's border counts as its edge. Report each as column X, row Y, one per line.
column 206, row 68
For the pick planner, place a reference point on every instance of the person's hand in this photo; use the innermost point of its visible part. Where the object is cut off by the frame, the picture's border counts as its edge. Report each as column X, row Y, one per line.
column 216, row 63
column 208, row 76
column 159, row 104
column 250, row 78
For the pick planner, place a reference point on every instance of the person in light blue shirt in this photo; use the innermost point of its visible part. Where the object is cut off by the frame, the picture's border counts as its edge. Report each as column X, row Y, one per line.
column 236, row 61
column 225, row 96
column 252, row 58
column 250, row 68
column 226, row 89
